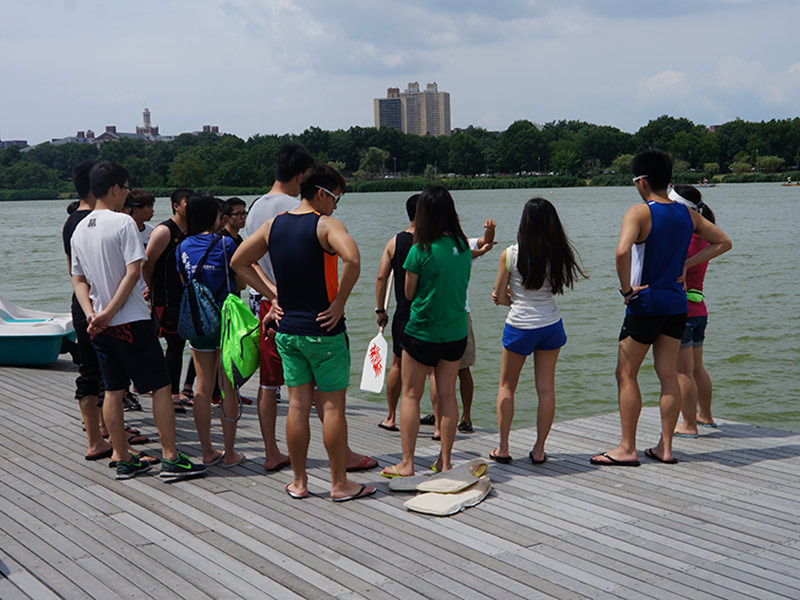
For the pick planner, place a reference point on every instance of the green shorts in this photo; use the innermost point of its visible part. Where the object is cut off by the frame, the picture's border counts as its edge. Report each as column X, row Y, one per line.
column 321, row 359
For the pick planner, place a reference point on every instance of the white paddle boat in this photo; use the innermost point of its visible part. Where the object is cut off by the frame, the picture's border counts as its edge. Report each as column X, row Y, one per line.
column 31, row 337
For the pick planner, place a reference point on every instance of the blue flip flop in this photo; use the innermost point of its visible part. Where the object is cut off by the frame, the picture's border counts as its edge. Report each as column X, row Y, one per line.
column 686, row 435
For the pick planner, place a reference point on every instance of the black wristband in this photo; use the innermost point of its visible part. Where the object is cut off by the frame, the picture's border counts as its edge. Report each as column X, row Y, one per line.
column 380, row 310
column 626, row 294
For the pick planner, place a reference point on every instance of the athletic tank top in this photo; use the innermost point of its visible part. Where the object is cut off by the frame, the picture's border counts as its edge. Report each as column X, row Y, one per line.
column 402, row 244
column 166, row 284
column 305, row 274
column 658, row 261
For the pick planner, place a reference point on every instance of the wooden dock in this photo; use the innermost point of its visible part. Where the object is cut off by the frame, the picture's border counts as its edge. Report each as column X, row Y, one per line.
column 724, row 523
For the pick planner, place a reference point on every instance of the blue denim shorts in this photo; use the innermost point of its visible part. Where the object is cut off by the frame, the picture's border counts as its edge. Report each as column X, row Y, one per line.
column 695, row 332
column 526, row 341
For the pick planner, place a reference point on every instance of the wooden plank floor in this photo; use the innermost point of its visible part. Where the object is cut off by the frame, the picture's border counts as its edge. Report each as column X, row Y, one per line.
column 724, row 523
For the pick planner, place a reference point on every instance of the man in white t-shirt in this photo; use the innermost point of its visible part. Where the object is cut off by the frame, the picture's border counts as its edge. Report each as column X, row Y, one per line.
column 107, row 254
column 139, row 205
column 292, row 163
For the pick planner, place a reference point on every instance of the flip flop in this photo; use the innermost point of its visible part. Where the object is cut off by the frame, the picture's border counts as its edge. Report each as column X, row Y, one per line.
column 650, row 454
column 613, row 462
column 391, row 475
column 279, row 466
column 239, row 461
column 537, row 462
column 128, row 429
column 435, row 466
column 365, row 465
column 138, row 438
column 293, row 495
column 216, row 461
column 361, row 493
column 436, row 438
column 711, row 425
column 100, row 455
column 686, row 435
column 503, row 460
column 387, row 427
column 427, row 420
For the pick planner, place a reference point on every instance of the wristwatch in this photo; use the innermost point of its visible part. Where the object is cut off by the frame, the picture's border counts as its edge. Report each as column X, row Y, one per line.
column 626, row 294
column 380, row 310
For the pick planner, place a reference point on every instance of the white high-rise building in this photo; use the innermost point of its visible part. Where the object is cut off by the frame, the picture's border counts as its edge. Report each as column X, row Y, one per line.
column 413, row 111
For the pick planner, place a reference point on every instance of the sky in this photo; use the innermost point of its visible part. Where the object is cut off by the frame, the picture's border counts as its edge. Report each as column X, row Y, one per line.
column 281, row 66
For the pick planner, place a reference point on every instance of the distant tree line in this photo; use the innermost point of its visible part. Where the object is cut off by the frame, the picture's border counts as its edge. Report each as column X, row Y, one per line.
column 570, row 149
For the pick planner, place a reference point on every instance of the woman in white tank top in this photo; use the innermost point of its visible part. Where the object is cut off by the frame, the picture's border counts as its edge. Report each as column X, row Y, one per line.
column 540, row 264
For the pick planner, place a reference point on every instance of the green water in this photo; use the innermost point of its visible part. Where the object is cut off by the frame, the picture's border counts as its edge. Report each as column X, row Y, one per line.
column 752, row 348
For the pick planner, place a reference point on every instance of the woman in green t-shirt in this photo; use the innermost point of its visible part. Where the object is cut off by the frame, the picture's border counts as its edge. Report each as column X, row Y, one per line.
column 437, row 276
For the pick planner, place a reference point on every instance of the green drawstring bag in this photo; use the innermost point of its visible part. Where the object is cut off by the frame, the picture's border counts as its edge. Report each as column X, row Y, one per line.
column 238, row 340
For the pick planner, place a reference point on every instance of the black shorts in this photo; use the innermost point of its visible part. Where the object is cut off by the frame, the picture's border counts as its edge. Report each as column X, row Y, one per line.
column 430, row 353
column 90, row 379
column 645, row 329
column 399, row 321
column 131, row 352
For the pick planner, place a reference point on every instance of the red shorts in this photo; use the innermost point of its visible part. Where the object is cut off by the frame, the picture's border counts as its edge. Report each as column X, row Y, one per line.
column 271, row 372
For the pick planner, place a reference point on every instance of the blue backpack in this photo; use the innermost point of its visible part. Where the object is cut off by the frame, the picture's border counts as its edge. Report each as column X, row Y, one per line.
column 199, row 314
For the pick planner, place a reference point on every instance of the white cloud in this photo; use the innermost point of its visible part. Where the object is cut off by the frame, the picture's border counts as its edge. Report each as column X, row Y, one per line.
column 668, row 84
column 783, row 88
column 735, row 74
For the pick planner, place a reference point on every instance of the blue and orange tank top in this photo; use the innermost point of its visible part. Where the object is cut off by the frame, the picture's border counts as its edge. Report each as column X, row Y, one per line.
column 658, row 261
column 305, row 273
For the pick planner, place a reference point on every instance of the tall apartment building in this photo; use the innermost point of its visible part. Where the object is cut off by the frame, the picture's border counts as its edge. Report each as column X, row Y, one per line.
column 413, row 111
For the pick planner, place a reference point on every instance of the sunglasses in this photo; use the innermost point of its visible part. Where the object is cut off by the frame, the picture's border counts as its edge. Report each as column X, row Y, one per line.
column 638, row 177
column 332, row 195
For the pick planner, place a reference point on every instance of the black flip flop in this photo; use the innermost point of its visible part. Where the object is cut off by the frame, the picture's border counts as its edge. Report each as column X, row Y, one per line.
column 537, row 462
column 100, row 455
column 650, row 454
column 387, row 428
column 503, row 460
column 359, row 494
column 613, row 462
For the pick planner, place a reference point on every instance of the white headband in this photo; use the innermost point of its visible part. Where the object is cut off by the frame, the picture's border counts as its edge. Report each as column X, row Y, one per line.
column 676, row 197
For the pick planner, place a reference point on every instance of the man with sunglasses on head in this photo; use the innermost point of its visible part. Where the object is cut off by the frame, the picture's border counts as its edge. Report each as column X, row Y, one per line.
column 305, row 245
column 651, row 262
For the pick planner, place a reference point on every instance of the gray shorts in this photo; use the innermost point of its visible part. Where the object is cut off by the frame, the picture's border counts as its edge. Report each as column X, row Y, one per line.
column 468, row 359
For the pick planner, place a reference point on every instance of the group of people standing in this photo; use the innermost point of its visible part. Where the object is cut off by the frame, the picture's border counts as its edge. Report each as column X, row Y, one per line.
column 290, row 259
column 662, row 255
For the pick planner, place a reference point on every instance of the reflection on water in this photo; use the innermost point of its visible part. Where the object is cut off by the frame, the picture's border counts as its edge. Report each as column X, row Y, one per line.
column 752, row 349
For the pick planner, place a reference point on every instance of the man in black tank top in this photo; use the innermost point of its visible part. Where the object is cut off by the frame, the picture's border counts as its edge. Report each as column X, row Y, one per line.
column 392, row 259
column 160, row 273
column 311, row 339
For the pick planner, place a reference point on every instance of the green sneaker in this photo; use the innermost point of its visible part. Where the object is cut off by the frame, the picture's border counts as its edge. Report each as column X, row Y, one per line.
column 130, row 469
column 180, row 468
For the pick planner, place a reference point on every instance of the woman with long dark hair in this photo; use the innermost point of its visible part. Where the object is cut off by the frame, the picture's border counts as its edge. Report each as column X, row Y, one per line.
column 437, row 275
column 693, row 378
column 540, row 264
column 203, row 222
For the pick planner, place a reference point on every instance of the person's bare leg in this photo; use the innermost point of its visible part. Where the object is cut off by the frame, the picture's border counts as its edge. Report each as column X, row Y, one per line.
column 629, row 359
column 511, row 365
column 230, row 404
column 446, row 374
column 393, row 388
column 267, row 419
column 688, row 388
column 334, row 436
column 437, row 433
column 164, row 416
column 354, row 459
column 298, row 434
column 544, row 364
column 466, row 388
column 704, row 388
column 665, row 361
column 91, row 414
column 205, row 364
column 115, row 422
column 414, row 374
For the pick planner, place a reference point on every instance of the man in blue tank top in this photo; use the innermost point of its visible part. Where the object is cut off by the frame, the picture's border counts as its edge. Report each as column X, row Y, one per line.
column 651, row 263
column 305, row 244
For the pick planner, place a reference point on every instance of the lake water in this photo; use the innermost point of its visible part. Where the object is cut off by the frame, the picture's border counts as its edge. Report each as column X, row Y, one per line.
column 752, row 349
